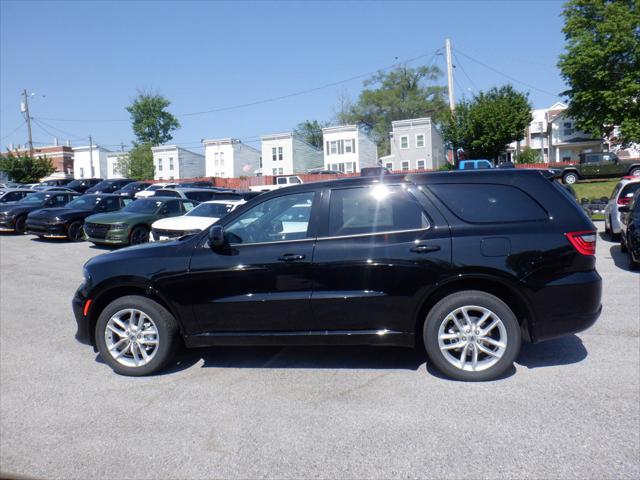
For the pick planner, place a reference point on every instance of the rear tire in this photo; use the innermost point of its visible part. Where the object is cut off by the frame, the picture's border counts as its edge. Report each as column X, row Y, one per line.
column 570, row 178
column 635, row 172
column 489, row 347
column 74, row 232
column 136, row 336
column 21, row 224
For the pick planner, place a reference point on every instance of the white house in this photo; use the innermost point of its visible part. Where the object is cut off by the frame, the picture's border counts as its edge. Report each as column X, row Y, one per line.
column 416, row 144
column 171, row 162
column 286, row 154
column 90, row 162
column 348, row 148
column 113, row 159
column 229, row 158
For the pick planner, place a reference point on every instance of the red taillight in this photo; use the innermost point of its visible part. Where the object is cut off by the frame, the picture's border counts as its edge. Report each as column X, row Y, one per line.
column 583, row 242
column 624, row 200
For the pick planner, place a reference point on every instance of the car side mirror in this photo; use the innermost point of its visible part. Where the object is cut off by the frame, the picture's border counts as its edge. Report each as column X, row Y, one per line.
column 216, row 236
column 623, row 208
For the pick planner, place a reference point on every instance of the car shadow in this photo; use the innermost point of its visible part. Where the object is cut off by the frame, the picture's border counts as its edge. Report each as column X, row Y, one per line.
column 621, row 260
column 560, row 351
column 105, row 248
column 59, row 241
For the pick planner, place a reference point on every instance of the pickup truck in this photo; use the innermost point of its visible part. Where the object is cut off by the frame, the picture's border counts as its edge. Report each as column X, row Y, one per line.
column 599, row 165
column 478, row 164
column 278, row 182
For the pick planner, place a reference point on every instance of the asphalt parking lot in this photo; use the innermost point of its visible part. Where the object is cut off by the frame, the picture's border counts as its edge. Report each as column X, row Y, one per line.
column 571, row 408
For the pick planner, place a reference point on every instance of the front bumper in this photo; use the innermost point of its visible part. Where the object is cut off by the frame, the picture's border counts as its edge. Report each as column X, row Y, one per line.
column 565, row 306
column 7, row 224
column 55, row 230
column 83, row 334
column 112, row 237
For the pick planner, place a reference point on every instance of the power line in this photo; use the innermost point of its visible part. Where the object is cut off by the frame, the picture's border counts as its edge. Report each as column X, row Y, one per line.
column 508, row 76
column 259, row 102
column 77, row 137
column 14, row 130
column 459, row 64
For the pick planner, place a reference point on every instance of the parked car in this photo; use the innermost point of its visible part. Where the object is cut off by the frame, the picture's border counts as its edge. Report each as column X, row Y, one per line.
column 278, row 182
column 132, row 224
column 599, row 165
column 13, row 216
column 462, row 263
column 194, row 221
column 14, row 194
column 475, row 164
column 67, row 221
column 56, row 182
column 373, row 171
column 630, row 231
column 248, row 195
column 81, row 185
column 198, row 194
column 151, row 189
column 197, row 184
column 131, row 189
column 109, row 186
column 56, row 189
column 622, row 195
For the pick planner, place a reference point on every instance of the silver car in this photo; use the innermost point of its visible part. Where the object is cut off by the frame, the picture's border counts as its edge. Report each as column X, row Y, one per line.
column 622, row 195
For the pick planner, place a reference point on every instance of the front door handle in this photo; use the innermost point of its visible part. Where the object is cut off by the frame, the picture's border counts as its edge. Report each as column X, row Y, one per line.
column 291, row 257
column 425, row 248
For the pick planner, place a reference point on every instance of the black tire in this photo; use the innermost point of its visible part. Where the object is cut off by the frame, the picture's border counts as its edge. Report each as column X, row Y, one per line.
column 476, row 298
column 21, row 224
column 74, row 232
column 633, row 265
column 570, row 178
column 139, row 234
column 623, row 245
column 167, row 334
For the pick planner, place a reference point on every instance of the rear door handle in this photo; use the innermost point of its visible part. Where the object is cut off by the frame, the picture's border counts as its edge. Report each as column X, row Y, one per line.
column 291, row 257
column 425, row 248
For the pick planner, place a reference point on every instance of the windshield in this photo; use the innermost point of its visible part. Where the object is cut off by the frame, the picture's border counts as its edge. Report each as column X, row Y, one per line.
column 130, row 186
column 85, row 202
column 34, row 198
column 105, row 184
column 143, row 206
column 214, row 210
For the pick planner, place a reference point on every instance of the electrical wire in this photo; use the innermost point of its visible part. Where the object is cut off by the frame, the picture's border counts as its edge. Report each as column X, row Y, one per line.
column 39, row 121
column 263, row 101
column 14, row 130
column 459, row 64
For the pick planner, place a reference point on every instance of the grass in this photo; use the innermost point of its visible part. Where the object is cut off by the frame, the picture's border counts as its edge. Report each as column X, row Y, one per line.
column 595, row 189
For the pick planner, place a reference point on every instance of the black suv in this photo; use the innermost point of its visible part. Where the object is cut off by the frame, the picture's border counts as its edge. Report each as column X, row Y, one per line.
column 67, row 221
column 467, row 263
column 81, row 185
column 109, row 186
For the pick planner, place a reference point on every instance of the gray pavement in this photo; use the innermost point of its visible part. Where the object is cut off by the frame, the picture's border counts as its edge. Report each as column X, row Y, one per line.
column 571, row 408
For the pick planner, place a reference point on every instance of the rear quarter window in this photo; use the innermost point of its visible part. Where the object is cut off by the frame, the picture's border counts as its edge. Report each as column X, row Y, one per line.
column 488, row 203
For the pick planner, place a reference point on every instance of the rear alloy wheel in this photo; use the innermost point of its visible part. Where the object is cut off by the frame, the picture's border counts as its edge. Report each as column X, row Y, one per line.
column 20, row 225
column 570, row 178
column 472, row 336
column 139, row 235
column 75, row 232
column 635, row 172
column 136, row 336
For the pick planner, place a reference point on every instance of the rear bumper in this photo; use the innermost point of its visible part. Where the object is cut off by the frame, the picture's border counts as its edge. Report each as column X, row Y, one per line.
column 566, row 306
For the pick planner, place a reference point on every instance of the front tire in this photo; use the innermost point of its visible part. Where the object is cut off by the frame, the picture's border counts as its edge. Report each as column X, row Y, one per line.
column 472, row 336
column 570, row 178
column 21, row 225
column 136, row 336
column 74, row 233
column 139, row 235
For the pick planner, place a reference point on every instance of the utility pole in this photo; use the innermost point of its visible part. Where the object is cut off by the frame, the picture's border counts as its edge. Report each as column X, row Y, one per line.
column 91, row 156
column 25, row 110
column 452, row 101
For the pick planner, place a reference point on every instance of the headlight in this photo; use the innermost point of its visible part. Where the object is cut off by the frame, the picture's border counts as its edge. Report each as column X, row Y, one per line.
column 57, row 220
column 119, row 226
column 86, row 279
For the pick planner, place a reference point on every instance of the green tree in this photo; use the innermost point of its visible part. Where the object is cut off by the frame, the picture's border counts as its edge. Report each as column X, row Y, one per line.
column 486, row 124
column 138, row 163
column 151, row 122
column 25, row 168
column 601, row 66
column 528, row 155
column 399, row 94
column 311, row 131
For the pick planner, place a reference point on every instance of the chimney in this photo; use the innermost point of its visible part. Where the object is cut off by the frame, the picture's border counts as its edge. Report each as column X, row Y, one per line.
column 55, row 141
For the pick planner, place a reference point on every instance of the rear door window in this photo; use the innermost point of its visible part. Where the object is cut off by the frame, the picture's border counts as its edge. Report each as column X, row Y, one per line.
column 374, row 209
column 629, row 191
column 488, row 203
column 199, row 196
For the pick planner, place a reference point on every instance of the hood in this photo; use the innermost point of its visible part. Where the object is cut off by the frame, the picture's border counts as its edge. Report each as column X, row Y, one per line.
column 184, row 222
column 17, row 209
column 61, row 212
column 122, row 217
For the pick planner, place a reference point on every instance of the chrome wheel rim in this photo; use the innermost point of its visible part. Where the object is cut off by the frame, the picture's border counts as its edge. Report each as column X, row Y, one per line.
column 472, row 338
column 131, row 337
column 570, row 179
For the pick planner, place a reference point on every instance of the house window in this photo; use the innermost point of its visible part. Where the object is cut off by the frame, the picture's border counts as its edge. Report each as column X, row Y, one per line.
column 275, row 171
column 349, row 146
column 81, row 172
column 351, row 167
column 221, row 159
column 280, row 171
column 405, row 166
column 404, row 142
column 420, row 164
column 333, row 147
column 389, row 166
column 280, row 155
column 170, row 163
column 160, row 165
column 274, row 154
column 420, row 140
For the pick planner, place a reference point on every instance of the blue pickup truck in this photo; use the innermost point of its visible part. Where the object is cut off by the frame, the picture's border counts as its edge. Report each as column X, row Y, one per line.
column 475, row 164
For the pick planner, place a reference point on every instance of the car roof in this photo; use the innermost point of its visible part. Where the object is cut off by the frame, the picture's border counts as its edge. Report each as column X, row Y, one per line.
column 226, row 202
column 190, row 189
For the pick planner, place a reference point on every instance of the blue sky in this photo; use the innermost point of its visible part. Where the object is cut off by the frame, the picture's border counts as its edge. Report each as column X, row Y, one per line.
column 86, row 60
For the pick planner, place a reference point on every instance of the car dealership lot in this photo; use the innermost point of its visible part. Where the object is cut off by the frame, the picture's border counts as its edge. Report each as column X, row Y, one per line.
column 571, row 408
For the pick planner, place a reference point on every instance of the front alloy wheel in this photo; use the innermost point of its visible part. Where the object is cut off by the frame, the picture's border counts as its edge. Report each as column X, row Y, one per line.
column 570, row 178
column 472, row 335
column 131, row 337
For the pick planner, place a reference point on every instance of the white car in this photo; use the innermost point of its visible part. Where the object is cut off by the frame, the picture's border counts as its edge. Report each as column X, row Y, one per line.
column 149, row 191
column 622, row 195
column 194, row 221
